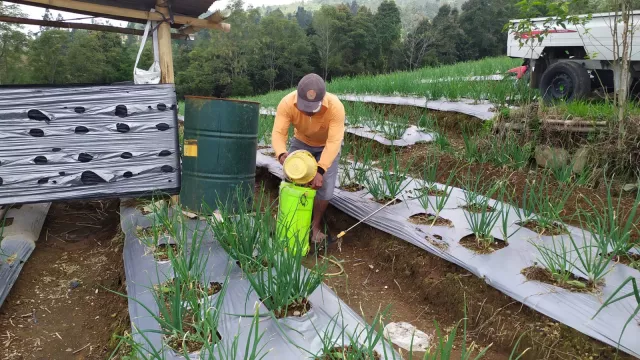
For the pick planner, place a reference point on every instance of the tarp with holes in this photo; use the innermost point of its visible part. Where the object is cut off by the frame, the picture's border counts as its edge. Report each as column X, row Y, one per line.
column 78, row 142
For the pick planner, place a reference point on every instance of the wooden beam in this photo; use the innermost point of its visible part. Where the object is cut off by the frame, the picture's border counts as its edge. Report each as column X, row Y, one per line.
column 216, row 17
column 164, row 46
column 82, row 26
column 119, row 12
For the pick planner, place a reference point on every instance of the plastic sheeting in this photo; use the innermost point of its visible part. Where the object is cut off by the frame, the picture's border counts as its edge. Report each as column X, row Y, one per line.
column 501, row 268
column 479, row 109
column 18, row 241
column 87, row 142
column 413, row 135
column 288, row 338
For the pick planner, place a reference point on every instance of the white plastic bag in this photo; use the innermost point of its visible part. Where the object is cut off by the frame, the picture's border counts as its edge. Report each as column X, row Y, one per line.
column 151, row 76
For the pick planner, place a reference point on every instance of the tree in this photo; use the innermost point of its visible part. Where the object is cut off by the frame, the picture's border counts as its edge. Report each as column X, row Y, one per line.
column 417, row 43
column 304, row 17
column 482, row 22
column 324, row 39
column 388, row 31
column 47, row 16
column 448, row 37
column 13, row 46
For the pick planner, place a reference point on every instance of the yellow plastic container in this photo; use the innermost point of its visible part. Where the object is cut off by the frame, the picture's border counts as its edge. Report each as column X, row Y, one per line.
column 294, row 216
column 300, row 167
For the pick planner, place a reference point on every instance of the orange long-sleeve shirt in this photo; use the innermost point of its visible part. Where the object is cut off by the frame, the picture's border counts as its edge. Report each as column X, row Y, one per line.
column 325, row 128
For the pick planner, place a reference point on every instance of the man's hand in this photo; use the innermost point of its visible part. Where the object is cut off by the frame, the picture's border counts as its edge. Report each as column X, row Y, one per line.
column 283, row 157
column 316, row 183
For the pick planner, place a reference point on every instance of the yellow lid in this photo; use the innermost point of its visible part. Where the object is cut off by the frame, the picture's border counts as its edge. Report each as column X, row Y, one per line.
column 300, row 167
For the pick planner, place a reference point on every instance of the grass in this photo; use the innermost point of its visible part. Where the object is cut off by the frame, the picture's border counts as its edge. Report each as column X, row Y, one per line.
column 409, row 83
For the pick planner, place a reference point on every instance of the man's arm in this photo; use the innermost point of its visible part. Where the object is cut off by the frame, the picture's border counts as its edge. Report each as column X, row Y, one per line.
column 334, row 140
column 280, row 131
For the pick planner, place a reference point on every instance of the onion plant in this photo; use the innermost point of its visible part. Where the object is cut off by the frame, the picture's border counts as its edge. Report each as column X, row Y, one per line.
column 610, row 225
column 430, row 170
column 592, row 261
column 482, row 221
column 360, row 344
column 438, row 200
column 288, row 284
column 390, row 181
column 245, row 232
column 618, row 296
column 164, row 228
column 541, row 205
column 441, row 142
column 556, row 258
column 394, row 127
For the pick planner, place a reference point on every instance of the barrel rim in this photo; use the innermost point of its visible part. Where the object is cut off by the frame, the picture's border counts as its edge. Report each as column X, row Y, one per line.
column 221, row 99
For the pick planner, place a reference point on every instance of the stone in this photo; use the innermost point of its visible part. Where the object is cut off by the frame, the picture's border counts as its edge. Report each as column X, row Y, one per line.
column 297, row 313
column 407, row 336
column 550, row 157
column 630, row 187
column 580, row 159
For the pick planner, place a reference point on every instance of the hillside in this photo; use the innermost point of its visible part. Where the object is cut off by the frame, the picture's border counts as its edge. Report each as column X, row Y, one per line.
column 427, row 8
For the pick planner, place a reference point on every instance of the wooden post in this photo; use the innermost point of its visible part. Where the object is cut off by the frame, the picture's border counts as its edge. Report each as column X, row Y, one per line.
column 165, row 56
column 164, row 45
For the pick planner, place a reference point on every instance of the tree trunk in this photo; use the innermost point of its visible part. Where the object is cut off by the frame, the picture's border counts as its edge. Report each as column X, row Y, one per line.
column 624, row 74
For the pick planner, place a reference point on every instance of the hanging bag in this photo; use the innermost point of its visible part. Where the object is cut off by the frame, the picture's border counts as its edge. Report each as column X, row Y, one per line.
column 151, row 76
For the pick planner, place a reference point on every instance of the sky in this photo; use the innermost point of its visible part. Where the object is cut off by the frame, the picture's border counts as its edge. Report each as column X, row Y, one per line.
column 37, row 12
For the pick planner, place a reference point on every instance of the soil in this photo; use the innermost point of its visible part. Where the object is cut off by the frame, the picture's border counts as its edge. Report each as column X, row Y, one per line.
column 475, row 208
column 631, row 260
column 419, row 288
column 536, row 273
column 471, row 242
column 62, row 305
column 161, row 252
column 296, row 309
column 553, row 230
column 353, row 187
column 431, row 191
column 428, row 219
column 188, row 340
column 346, row 352
column 386, row 200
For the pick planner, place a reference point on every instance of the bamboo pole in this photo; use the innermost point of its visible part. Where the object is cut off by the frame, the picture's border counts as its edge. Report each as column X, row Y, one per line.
column 82, row 26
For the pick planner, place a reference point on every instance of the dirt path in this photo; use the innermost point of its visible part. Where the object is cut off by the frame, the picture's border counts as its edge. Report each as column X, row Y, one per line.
column 59, row 308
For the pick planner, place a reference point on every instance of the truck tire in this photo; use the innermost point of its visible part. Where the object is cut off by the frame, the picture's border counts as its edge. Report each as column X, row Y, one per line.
column 565, row 80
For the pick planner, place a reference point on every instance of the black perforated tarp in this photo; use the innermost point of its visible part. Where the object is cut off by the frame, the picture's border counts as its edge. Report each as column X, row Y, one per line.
column 87, row 142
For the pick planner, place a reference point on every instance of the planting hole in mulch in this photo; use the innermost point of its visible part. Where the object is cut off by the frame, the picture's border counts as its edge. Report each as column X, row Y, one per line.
column 253, row 266
column 161, row 252
column 189, row 341
column 386, row 200
column 429, row 219
column 269, row 153
column 471, row 242
column 550, row 230
column 475, row 208
column 352, row 187
column 7, row 222
column 296, row 309
column 347, row 352
column 575, row 283
column 429, row 190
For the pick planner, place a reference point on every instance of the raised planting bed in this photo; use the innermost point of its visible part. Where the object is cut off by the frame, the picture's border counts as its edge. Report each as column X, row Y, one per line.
column 227, row 318
column 503, row 268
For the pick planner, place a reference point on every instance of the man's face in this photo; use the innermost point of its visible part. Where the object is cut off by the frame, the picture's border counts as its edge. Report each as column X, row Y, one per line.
column 306, row 112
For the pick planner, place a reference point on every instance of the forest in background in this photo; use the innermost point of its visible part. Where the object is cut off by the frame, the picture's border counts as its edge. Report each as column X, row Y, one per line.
column 269, row 50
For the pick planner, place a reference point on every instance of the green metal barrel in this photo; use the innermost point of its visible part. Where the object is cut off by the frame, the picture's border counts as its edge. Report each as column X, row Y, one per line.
column 219, row 156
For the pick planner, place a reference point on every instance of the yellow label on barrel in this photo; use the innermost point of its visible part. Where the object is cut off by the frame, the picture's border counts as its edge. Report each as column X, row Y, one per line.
column 191, row 148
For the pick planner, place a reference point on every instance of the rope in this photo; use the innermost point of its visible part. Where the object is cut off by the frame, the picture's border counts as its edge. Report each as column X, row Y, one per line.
column 331, row 260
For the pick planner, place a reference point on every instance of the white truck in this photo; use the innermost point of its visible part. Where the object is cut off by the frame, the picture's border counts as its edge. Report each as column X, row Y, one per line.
column 569, row 63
